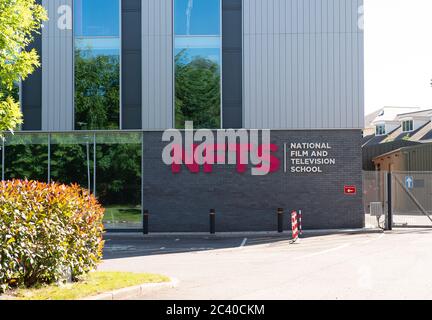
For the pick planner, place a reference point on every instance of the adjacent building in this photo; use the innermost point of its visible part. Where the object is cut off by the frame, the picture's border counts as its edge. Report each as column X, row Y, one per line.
column 416, row 158
column 117, row 73
column 398, row 130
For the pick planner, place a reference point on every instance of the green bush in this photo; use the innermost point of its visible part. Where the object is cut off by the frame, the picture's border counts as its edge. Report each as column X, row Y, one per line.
column 48, row 232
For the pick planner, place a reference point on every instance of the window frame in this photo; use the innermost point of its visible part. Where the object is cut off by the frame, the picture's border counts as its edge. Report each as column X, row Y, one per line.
column 120, row 125
column 408, row 125
column 93, row 137
column 379, row 132
column 174, row 66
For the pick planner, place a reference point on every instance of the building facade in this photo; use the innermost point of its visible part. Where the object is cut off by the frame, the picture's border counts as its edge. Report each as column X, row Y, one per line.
column 395, row 128
column 396, row 124
column 117, row 73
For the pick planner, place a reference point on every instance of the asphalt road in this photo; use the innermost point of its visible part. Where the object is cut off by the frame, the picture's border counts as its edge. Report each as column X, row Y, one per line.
column 395, row 265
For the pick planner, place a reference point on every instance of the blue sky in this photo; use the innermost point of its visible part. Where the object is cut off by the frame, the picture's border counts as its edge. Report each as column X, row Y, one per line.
column 101, row 18
column 198, row 18
column 204, row 17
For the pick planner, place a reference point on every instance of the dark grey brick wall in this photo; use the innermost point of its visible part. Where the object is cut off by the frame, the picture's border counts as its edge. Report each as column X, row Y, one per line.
column 181, row 202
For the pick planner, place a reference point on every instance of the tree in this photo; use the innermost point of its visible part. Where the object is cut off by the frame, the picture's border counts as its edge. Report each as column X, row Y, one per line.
column 97, row 97
column 197, row 91
column 20, row 20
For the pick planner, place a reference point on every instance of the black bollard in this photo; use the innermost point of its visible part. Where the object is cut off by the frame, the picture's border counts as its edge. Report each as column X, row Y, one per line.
column 212, row 221
column 280, row 217
column 146, row 222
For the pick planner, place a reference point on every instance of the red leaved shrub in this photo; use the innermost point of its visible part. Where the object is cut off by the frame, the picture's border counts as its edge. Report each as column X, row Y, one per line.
column 47, row 233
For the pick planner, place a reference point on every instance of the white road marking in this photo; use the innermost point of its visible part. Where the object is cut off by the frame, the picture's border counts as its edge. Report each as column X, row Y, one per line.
column 243, row 243
column 324, row 252
column 163, row 248
column 119, row 248
column 375, row 239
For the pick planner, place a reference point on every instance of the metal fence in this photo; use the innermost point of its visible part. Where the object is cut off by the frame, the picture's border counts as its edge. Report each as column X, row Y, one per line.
column 375, row 199
column 412, row 199
column 409, row 195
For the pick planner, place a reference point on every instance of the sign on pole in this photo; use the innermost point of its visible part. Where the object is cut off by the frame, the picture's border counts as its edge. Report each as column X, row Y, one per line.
column 409, row 182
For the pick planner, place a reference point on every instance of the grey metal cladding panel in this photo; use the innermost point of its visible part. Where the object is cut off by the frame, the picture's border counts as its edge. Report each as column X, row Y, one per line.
column 131, row 90
column 31, row 103
column 131, row 5
column 130, row 121
column 303, row 64
column 31, row 118
column 131, row 79
column 131, row 26
column 232, row 71
column 232, row 24
column 57, row 71
column 131, row 64
column 157, row 64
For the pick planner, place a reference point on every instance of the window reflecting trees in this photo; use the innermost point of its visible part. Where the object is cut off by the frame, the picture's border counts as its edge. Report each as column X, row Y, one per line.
column 118, row 180
column 71, row 159
column 197, row 61
column 26, row 157
column 97, row 64
column 108, row 164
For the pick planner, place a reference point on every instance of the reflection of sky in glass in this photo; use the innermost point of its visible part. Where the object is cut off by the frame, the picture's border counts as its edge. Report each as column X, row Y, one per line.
column 97, row 28
column 91, row 53
column 97, row 34
column 96, row 18
column 190, row 54
column 197, row 29
column 197, row 35
column 197, row 17
column 98, row 46
column 198, row 42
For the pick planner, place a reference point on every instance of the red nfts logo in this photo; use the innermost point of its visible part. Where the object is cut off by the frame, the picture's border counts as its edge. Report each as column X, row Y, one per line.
column 260, row 158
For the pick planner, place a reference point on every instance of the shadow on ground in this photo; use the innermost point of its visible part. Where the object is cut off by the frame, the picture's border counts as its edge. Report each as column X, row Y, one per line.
column 128, row 246
column 118, row 246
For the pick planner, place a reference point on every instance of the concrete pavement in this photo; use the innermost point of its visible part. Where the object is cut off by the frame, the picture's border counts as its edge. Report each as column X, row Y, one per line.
column 395, row 265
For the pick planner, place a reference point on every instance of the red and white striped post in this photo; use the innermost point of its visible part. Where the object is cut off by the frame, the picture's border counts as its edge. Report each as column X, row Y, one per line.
column 294, row 225
column 300, row 216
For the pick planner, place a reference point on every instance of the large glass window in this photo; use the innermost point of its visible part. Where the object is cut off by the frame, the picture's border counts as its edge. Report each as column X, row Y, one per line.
column 97, row 64
column 26, row 157
column 118, row 178
column 72, row 159
column 108, row 164
column 198, row 59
